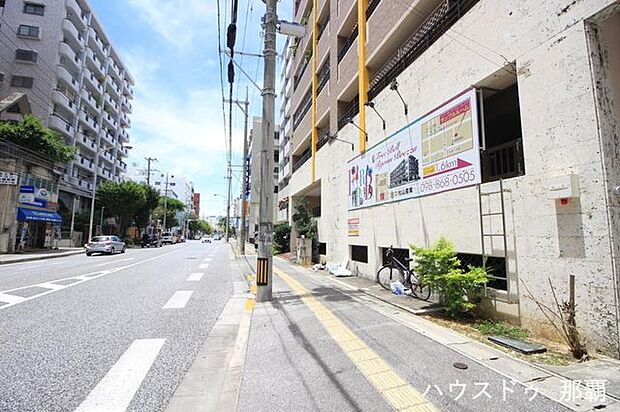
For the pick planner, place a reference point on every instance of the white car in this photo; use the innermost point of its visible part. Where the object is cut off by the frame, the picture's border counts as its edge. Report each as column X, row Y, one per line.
column 105, row 244
column 167, row 238
column 206, row 239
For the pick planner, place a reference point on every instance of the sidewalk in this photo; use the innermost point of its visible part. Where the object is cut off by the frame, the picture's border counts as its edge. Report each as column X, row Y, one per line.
column 39, row 255
column 599, row 369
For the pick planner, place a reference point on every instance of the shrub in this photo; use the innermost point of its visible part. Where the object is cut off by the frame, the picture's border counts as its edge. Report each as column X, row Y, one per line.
column 281, row 238
column 439, row 268
column 490, row 327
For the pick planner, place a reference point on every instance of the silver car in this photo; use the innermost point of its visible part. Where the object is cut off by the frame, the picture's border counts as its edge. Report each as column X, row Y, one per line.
column 105, row 244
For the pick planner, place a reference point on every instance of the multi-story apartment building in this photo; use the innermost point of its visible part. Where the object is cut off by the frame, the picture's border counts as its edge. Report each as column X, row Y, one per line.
column 59, row 55
column 511, row 113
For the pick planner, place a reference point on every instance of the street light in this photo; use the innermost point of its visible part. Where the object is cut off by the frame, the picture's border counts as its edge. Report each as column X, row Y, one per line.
column 94, row 192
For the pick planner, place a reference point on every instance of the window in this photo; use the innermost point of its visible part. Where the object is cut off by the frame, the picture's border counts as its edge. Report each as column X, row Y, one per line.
column 503, row 154
column 32, row 8
column 400, row 254
column 22, row 81
column 28, row 31
column 495, row 266
column 359, row 253
column 26, row 55
column 322, row 248
column 275, row 189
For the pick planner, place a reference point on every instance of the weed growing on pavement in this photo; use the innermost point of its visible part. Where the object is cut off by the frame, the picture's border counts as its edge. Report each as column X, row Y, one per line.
column 492, row 327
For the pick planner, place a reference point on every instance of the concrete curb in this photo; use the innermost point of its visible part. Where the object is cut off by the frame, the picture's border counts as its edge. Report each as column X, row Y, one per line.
column 41, row 257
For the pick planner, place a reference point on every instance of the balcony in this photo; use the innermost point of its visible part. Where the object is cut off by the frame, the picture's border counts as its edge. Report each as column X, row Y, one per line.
column 75, row 13
column 122, row 165
column 428, row 32
column 125, row 121
column 95, row 42
column 123, row 152
column 346, row 44
column 85, row 163
column 94, row 64
column 69, row 55
column 113, row 89
column 61, row 125
column 67, row 78
column 305, row 156
column 87, row 143
column 113, row 69
column 59, row 98
column 127, row 107
column 90, row 101
column 302, row 110
column 72, row 34
column 89, row 122
column 111, row 105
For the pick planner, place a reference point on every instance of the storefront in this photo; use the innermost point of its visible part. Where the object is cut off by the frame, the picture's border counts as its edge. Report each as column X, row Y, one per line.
column 38, row 222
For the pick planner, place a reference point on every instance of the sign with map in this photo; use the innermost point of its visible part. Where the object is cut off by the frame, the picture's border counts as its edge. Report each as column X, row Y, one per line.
column 437, row 152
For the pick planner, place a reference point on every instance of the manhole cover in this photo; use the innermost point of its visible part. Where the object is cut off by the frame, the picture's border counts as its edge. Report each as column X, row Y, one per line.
column 461, row 366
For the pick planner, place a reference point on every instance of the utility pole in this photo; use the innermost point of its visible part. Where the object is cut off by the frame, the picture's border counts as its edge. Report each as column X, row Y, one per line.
column 148, row 168
column 264, row 261
column 245, row 110
column 166, row 199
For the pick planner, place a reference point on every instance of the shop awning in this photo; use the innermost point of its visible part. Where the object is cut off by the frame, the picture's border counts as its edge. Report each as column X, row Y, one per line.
column 31, row 215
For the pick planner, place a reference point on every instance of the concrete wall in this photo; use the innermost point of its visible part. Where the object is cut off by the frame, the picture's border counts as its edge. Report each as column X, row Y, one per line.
column 546, row 240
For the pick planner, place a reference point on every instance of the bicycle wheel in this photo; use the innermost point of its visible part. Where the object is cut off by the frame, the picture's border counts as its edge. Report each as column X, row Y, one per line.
column 388, row 274
column 421, row 291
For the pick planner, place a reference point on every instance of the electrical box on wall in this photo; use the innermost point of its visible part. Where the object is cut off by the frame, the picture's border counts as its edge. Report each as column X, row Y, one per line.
column 564, row 187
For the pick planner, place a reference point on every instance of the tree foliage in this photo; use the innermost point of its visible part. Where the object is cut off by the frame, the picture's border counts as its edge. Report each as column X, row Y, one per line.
column 31, row 134
column 170, row 207
column 125, row 200
column 439, row 268
column 282, row 238
column 200, row 227
column 151, row 202
column 303, row 222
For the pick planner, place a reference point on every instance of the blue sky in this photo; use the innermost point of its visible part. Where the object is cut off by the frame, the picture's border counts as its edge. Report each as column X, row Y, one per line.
column 170, row 47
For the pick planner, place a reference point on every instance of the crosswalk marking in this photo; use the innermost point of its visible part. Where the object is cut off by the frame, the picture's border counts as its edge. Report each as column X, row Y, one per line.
column 11, row 299
column 118, row 387
column 179, row 299
column 195, row 277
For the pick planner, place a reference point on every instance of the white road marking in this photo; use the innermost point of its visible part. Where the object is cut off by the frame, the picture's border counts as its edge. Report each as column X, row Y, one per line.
column 207, row 260
column 11, row 299
column 118, row 387
column 179, row 299
column 203, row 266
column 48, row 285
column 195, row 277
column 14, row 300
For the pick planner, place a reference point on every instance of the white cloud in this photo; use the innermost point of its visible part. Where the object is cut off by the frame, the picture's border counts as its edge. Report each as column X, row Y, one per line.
column 180, row 22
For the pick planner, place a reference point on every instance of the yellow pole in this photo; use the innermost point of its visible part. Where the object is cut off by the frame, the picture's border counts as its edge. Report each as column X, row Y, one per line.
column 362, row 5
column 315, row 40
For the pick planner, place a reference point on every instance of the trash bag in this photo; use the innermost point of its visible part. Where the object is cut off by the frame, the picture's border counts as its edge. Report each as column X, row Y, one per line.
column 397, row 288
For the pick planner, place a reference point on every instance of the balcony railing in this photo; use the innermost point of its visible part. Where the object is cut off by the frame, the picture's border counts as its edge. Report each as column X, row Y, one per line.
column 323, row 75
column 437, row 23
column 344, row 48
column 503, row 161
column 307, row 154
column 304, row 107
column 372, row 6
column 349, row 113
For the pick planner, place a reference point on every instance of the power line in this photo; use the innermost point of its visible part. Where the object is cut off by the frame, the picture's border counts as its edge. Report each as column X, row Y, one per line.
column 219, row 47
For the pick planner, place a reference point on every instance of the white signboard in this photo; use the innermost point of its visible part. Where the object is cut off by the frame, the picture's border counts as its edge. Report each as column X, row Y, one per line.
column 8, row 178
column 438, row 152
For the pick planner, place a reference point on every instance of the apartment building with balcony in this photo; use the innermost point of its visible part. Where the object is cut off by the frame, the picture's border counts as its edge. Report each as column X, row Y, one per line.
column 58, row 53
column 492, row 123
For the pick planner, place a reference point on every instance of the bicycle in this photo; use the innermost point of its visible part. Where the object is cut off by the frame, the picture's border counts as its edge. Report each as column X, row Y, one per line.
column 396, row 271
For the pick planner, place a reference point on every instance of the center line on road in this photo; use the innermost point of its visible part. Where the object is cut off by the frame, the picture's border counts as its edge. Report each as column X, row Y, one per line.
column 179, row 299
column 195, row 277
column 118, row 387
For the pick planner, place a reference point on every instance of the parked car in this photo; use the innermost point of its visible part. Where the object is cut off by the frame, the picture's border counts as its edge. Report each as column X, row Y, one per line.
column 150, row 240
column 206, row 239
column 167, row 238
column 105, row 244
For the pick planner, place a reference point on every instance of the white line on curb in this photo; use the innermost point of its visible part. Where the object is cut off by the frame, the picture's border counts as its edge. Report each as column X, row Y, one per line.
column 118, row 387
column 195, row 277
column 179, row 299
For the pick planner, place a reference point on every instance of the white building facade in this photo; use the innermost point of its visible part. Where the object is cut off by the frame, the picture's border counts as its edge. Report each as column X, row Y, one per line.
column 545, row 77
column 57, row 53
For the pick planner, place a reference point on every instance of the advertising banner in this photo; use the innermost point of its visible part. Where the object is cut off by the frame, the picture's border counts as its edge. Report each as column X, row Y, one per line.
column 8, row 178
column 438, row 152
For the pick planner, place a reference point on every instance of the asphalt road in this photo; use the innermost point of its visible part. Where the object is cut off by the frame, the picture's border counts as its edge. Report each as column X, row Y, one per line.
column 121, row 331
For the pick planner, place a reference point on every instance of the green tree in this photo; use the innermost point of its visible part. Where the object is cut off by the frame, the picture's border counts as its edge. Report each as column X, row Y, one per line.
column 171, row 207
column 123, row 200
column 151, row 202
column 282, row 238
column 200, row 227
column 303, row 222
column 31, row 134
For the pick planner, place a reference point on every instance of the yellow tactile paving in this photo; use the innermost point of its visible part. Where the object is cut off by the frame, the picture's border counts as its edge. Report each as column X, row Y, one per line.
column 394, row 389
